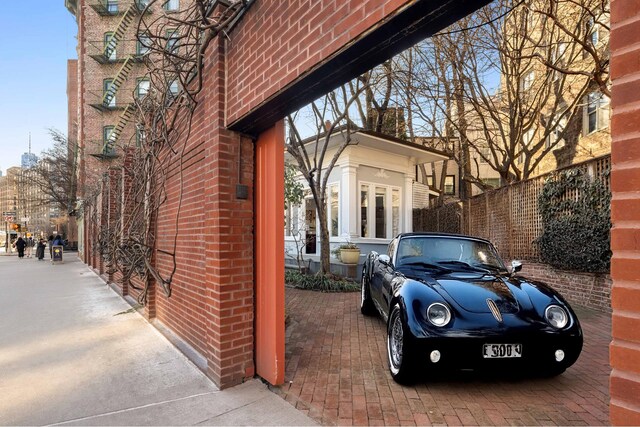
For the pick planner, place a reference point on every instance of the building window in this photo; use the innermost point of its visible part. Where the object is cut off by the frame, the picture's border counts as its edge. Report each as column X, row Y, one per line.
column 173, row 89
column 172, row 5
column 450, row 185
column 596, row 113
column 144, row 44
column 141, row 136
column 109, row 93
column 592, row 31
column 108, row 139
column 142, row 88
column 364, row 211
column 172, row 40
column 110, row 44
column 292, row 220
column 555, row 138
column 527, row 80
column 334, row 212
column 381, row 214
column 381, row 204
column 112, row 6
column 142, row 4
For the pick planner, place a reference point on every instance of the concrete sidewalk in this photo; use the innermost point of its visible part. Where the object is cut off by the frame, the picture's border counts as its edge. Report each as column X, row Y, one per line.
column 71, row 353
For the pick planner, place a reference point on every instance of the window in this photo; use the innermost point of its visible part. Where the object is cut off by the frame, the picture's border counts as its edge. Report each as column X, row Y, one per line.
column 172, row 41
column 108, row 140
column 527, row 80
column 142, row 4
column 112, row 6
column 143, row 45
column 109, row 93
column 527, row 138
column 380, row 211
column 172, row 5
column 140, row 135
column 556, row 138
column 484, row 153
column 334, row 212
column 380, row 223
column 142, row 89
column 596, row 112
column 559, row 60
column 450, row 185
column 110, row 44
column 364, row 211
column 592, row 31
column 292, row 220
column 173, row 89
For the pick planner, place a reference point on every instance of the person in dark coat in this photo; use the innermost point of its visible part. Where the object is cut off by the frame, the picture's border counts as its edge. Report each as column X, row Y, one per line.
column 50, row 244
column 20, row 245
column 40, row 250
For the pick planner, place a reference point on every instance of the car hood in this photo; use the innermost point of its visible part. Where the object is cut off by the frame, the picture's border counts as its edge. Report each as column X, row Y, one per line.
column 471, row 293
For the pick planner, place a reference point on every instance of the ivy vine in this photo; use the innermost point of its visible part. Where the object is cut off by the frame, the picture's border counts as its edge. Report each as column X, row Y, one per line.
column 576, row 222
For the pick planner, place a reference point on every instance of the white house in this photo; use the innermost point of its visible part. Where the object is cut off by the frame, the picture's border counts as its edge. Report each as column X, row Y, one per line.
column 371, row 194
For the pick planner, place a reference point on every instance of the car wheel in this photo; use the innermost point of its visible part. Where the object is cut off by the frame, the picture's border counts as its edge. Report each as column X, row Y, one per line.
column 399, row 349
column 366, row 303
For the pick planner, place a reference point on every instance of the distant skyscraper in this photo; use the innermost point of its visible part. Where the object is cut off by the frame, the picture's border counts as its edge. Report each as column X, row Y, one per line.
column 29, row 160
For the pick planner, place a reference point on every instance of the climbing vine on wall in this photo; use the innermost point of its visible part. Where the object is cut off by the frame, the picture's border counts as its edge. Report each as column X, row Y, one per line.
column 576, row 220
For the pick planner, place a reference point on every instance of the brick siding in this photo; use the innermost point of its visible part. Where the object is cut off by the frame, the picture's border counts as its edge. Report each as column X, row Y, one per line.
column 625, row 212
column 585, row 289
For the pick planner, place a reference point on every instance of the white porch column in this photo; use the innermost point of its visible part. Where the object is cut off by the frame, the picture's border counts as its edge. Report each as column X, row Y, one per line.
column 349, row 202
column 408, row 203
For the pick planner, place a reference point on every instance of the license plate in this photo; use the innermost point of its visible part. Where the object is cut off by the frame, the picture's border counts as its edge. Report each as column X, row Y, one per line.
column 502, row 351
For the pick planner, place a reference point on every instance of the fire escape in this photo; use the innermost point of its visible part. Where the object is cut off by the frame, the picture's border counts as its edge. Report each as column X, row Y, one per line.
column 115, row 49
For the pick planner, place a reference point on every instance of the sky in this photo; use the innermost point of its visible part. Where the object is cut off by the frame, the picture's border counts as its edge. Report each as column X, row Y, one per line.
column 40, row 35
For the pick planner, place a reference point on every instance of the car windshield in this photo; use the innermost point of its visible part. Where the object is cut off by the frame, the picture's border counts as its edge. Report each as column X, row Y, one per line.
column 451, row 252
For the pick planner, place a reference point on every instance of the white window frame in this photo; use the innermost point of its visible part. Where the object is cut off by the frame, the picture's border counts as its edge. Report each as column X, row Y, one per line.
column 172, row 5
column 388, row 207
column 601, row 111
column 334, row 185
column 527, row 80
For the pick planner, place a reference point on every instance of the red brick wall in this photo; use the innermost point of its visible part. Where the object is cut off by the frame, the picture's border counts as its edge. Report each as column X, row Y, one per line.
column 585, row 289
column 625, row 212
column 308, row 32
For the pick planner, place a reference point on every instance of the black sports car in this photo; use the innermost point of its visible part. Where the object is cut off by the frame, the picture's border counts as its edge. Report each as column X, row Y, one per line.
column 449, row 301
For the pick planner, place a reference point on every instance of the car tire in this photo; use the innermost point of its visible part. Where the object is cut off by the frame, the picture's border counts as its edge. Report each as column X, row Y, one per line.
column 400, row 352
column 366, row 303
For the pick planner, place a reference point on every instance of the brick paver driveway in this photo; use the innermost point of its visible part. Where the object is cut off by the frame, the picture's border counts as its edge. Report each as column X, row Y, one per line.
column 336, row 370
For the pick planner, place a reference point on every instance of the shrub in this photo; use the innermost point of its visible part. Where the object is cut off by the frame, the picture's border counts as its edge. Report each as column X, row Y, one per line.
column 327, row 283
column 576, row 221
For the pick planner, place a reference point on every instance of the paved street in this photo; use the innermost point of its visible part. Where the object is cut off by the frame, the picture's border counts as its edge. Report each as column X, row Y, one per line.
column 71, row 353
column 337, row 368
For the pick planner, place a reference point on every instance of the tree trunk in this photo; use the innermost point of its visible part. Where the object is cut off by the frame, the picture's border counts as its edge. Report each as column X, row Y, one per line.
column 325, row 260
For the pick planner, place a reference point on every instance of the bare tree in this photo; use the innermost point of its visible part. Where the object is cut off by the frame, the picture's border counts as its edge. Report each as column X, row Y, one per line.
column 510, row 82
column 313, row 156
column 54, row 176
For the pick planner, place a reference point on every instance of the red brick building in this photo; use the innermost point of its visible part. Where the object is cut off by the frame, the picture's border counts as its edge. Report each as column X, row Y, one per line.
column 227, row 302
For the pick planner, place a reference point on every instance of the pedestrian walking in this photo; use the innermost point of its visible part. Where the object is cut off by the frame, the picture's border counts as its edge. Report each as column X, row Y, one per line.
column 40, row 250
column 50, row 244
column 29, row 248
column 20, row 245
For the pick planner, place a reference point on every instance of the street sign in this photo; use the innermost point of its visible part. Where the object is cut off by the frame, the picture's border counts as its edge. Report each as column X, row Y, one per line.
column 9, row 216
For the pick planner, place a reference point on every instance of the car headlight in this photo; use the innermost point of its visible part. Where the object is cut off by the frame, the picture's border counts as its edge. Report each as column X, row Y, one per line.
column 556, row 316
column 438, row 314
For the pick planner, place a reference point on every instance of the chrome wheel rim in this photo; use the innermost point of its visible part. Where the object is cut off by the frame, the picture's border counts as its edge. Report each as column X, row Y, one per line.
column 395, row 341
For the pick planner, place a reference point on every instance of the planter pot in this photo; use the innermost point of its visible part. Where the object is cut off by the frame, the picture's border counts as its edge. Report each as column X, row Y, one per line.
column 350, row 256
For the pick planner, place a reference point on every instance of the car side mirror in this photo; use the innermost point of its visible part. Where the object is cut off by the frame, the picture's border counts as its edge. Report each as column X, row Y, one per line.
column 516, row 266
column 385, row 260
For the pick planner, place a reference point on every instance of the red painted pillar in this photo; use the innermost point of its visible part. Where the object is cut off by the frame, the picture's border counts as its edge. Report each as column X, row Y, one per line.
column 269, row 200
column 625, row 213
